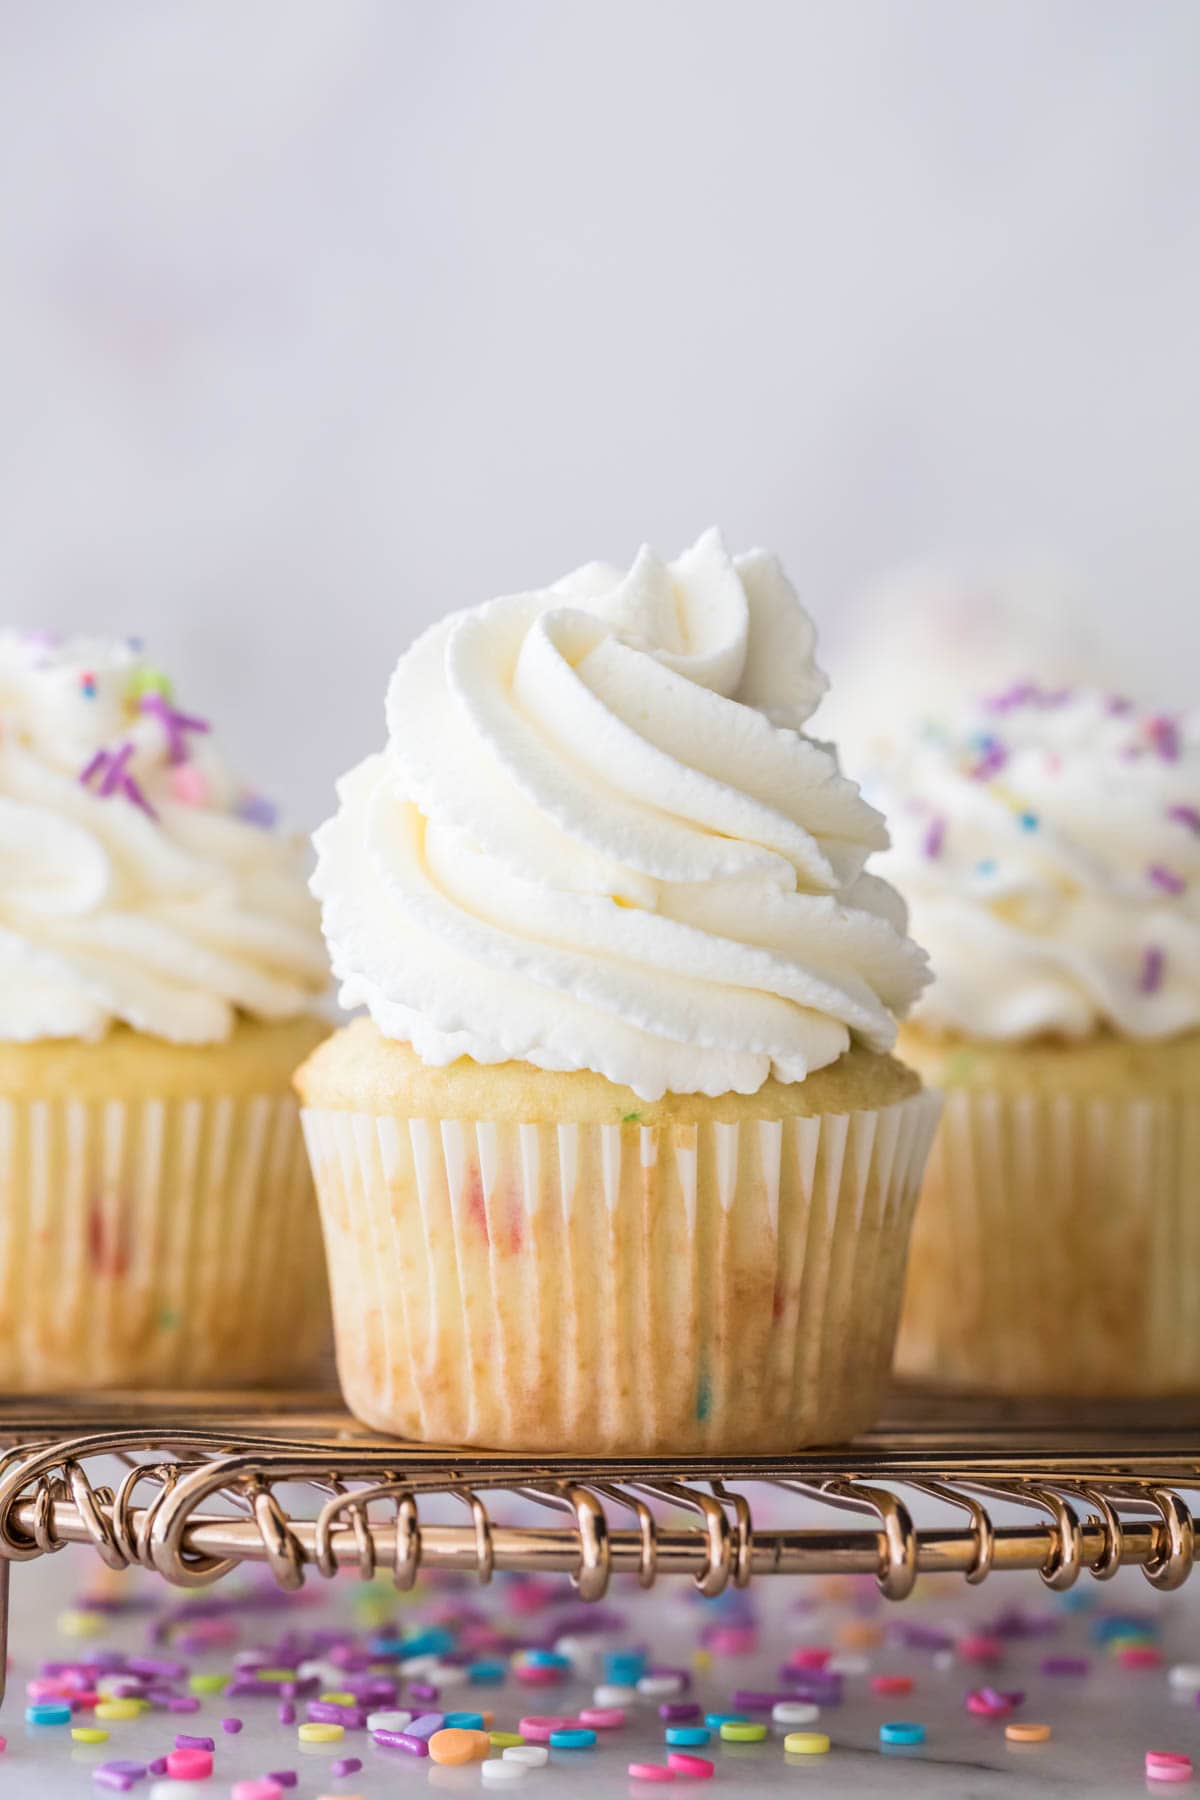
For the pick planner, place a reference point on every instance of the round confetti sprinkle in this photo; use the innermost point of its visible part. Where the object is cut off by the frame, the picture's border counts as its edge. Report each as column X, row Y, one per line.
column 614, row 1694
column 794, row 1712
column 603, row 1718
column 650, row 1772
column 538, row 1726
column 464, row 1721
column 58, row 1712
column 806, row 1743
column 655, row 1687
column 697, row 1768
column 1025, row 1731
column 715, row 1720
column 389, row 1720
column 902, row 1731
column 451, row 1745
column 89, row 1734
column 118, row 1709
column 530, row 1756
column 1186, row 1676
column 1163, row 1768
column 891, row 1684
column 259, row 1789
column 320, row 1731
column 498, row 1773
column 687, row 1734
column 504, row 1740
column 576, row 1737
column 745, row 1733
column 189, row 1765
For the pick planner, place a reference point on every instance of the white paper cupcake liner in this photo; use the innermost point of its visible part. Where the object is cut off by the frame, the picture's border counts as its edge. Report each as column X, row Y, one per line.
column 617, row 1287
column 1057, row 1246
column 157, row 1244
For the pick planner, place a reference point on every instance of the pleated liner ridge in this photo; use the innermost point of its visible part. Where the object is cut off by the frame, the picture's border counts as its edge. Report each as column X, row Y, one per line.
column 157, row 1243
column 618, row 1288
column 1057, row 1246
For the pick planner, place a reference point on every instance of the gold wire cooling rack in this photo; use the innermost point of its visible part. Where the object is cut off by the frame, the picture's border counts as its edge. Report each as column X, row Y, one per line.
column 206, row 1482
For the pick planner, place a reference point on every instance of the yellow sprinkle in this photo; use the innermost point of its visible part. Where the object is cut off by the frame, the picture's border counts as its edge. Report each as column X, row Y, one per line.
column 338, row 1699
column 1030, row 1733
column 803, row 1743
column 89, row 1734
column 274, row 1674
column 119, row 1709
column 320, row 1733
column 702, row 1659
column 734, row 1733
column 504, row 1740
column 80, row 1624
column 208, row 1684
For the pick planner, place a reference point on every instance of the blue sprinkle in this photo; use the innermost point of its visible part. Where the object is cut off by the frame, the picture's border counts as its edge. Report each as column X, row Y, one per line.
column 986, row 866
column 576, row 1738
column 464, row 1721
column 901, row 1731
column 434, row 1642
column 624, row 1668
column 703, row 1398
column 715, row 1720
column 683, row 1735
column 1028, row 821
column 48, row 1712
column 486, row 1671
column 547, row 1659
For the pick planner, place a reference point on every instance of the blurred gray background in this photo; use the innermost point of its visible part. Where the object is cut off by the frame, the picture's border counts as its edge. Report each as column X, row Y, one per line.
column 319, row 317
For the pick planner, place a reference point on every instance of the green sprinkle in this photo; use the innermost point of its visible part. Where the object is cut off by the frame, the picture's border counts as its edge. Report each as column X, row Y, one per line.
column 630, row 1118
column 168, row 1318
column 149, row 681
column 208, row 1684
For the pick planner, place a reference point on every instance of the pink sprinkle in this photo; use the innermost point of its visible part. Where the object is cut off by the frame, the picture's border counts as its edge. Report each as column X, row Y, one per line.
column 809, row 1657
column 189, row 1765
column 892, row 1684
column 697, row 1767
column 1150, row 979
column 1164, row 736
column 262, row 1789
column 979, row 1648
column 538, row 1726
column 1139, row 1656
column 190, row 784
column 602, row 1718
column 1186, row 815
column 650, row 1772
column 732, row 1640
column 1166, row 879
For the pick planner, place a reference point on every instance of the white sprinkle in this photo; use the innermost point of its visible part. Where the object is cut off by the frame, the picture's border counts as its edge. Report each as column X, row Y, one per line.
column 327, row 1673
column 943, row 1660
column 389, row 1721
column 496, row 1772
column 656, row 1687
column 794, row 1712
column 609, row 1695
column 419, row 1665
column 181, row 1790
column 1185, row 1675
column 581, row 1652
column 447, row 1675
column 532, row 1756
column 848, row 1662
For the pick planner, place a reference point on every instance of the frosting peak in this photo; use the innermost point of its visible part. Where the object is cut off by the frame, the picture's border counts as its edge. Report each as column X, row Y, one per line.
column 598, row 839
column 1048, row 844
column 138, row 881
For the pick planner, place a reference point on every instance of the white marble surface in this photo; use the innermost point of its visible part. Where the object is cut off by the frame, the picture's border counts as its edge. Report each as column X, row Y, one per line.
column 1102, row 1724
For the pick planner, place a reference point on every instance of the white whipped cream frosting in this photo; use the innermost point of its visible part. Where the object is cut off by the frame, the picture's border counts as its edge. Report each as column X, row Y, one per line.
column 599, row 839
column 138, row 882
column 1048, row 844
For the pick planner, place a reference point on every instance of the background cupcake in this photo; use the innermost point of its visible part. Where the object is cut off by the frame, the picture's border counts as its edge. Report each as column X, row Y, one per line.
column 620, row 1160
column 159, row 959
column 1049, row 847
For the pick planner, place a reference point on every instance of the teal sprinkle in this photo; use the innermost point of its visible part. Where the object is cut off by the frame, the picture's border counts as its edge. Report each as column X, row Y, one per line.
column 986, row 866
column 703, row 1398
column 1028, row 821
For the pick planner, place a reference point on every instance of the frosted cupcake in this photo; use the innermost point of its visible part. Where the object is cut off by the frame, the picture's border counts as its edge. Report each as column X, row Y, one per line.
column 1049, row 848
column 619, row 1159
column 159, row 958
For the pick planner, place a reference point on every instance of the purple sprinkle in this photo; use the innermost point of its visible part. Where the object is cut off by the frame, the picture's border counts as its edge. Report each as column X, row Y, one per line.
column 174, row 723
column 1164, row 735
column 935, row 837
column 403, row 1740
column 287, row 1713
column 1166, row 879
column 1118, row 704
column 158, row 1766
column 425, row 1725
column 183, row 1741
column 345, row 1765
column 114, row 773
column 991, row 761
column 676, row 1711
column 1186, row 815
column 1153, row 960
column 1017, row 695
column 424, row 1690
column 285, row 1777
column 327, row 1712
column 754, row 1700
column 1065, row 1665
column 233, row 1726
column 157, row 1665
column 922, row 1637
column 120, row 1775
column 182, row 1703
column 98, row 762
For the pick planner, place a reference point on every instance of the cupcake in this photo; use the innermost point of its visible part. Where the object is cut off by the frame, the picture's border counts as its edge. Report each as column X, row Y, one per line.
column 159, row 962
column 1049, row 847
column 618, row 1159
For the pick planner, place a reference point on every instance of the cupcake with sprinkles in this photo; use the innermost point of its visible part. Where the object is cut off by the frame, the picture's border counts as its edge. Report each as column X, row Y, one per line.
column 160, row 960
column 1049, row 849
column 618, row 1159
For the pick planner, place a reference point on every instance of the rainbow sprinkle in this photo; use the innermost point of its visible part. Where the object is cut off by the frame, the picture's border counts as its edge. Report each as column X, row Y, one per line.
column 1151, row 976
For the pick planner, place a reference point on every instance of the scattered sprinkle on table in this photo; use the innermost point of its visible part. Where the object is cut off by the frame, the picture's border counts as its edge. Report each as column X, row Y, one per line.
column 1025, row 1731
column 806, row 1743
column 902, row 1731
column 319, row 1731
column 745, row 1732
